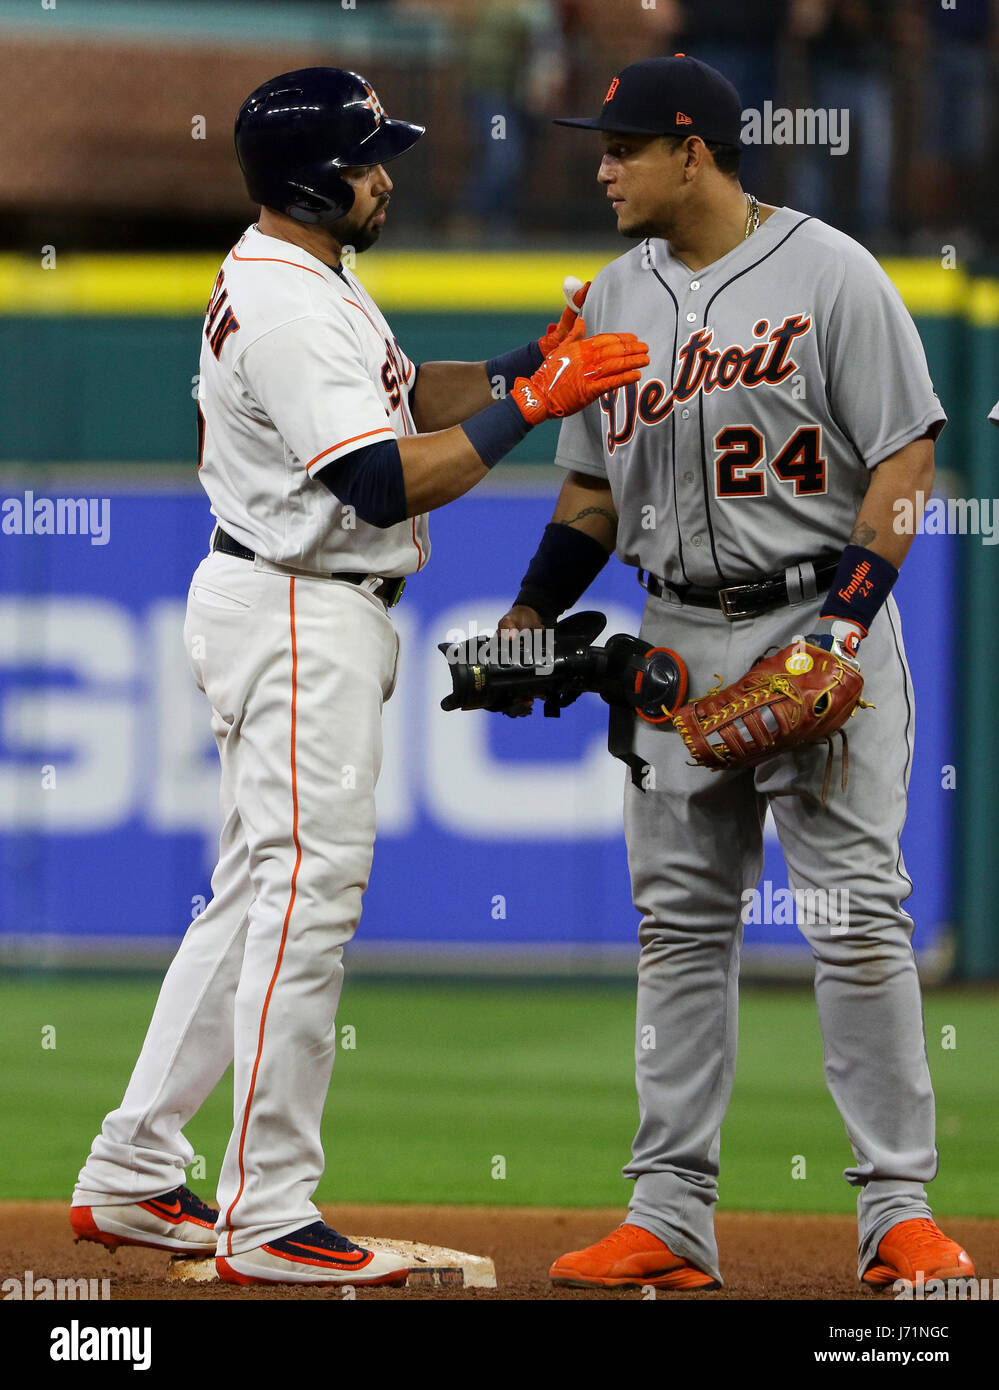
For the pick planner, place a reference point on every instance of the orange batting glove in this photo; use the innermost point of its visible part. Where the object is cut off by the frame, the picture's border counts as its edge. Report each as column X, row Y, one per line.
column 575, row 293
column 577, row 372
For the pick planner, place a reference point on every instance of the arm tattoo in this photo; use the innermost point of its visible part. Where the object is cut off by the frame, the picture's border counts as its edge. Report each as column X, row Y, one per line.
column 862, row 534
column 592, row 511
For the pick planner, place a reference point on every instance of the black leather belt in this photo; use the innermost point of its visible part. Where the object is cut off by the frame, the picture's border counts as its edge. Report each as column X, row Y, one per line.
column 749, row 600
column 388, row 590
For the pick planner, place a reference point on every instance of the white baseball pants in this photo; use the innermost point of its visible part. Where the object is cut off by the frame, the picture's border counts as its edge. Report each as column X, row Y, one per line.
column 296, row 670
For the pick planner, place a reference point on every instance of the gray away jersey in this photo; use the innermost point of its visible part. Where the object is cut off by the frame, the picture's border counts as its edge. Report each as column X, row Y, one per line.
column 778, row 377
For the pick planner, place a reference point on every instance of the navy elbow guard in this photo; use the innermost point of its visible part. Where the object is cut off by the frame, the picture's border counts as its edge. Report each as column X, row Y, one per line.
column 564, row 566
column 371, row 481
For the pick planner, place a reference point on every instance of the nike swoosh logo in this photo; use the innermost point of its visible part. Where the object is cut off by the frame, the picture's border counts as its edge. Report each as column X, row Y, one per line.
column 565, row 363
column 175, row 1210
column 343, row 1257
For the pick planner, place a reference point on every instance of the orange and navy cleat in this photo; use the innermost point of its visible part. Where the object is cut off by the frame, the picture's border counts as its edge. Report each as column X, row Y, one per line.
column 176, row 1221
column 915, row 1251
column 314, row 1254
column 629, row 1258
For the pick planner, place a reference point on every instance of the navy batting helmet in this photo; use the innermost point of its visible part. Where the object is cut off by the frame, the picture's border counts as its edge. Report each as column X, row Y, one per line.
column 297, row 131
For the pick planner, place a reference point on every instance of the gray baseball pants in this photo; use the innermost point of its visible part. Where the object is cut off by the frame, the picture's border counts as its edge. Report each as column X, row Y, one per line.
column 695, row 844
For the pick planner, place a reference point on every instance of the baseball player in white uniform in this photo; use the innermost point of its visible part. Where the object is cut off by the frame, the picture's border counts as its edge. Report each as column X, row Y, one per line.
column 751, row 478
column 322, row 448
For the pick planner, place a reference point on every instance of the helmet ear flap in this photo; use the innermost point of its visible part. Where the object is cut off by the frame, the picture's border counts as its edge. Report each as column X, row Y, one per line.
column 305, row 205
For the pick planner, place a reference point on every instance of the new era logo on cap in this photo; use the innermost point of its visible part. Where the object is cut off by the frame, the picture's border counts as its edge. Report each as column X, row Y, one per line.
column 612, row 89
column 681, row 119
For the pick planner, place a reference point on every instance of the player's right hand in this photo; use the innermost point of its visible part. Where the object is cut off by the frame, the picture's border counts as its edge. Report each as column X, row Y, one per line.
column 517, row 618
column 577, row 372
column 839, row 636
column 520, row 617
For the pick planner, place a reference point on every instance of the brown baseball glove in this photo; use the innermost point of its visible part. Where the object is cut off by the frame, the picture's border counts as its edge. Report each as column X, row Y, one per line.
column 798, row 695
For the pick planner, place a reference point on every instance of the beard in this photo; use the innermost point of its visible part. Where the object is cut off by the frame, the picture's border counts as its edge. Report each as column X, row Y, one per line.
column 351, row 230
column 638, row 231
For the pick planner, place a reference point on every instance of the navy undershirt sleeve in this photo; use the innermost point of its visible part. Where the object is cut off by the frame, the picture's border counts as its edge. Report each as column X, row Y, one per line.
column 564, row 566
column 370, row 480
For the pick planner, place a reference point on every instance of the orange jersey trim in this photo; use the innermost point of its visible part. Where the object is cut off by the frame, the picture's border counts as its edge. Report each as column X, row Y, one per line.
column 384, row 429
column 277, row 260
column 364, row 311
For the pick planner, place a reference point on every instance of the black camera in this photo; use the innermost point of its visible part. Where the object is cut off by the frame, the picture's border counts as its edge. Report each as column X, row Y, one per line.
column 507, row 670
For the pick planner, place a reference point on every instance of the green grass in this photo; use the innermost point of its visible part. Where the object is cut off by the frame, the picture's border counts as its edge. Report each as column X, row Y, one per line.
column 447, row 1076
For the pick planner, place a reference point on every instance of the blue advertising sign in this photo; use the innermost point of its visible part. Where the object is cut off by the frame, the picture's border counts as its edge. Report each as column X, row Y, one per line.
column 495, row 836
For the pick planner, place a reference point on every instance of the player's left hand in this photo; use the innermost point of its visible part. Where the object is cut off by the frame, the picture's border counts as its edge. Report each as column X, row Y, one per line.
column 579, row 371
column 575, row 295
column 802, row 694
column 839, row 636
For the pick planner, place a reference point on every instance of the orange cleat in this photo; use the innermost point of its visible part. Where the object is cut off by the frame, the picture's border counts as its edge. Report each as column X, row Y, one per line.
column 629, row 1258
column 177, row 1221
column 915, row 1251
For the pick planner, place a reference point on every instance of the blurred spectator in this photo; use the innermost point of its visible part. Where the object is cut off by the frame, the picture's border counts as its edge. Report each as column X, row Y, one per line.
column 511, row 62
column 742, row 39
column 917, row 76
column 955, row 55
column 847, row 53
column 605, row 40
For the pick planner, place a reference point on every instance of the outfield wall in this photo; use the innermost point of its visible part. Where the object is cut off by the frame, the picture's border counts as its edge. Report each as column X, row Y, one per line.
column 499, row 843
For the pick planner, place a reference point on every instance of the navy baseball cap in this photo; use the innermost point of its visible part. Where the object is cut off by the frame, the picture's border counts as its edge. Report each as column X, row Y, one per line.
column 670, row 96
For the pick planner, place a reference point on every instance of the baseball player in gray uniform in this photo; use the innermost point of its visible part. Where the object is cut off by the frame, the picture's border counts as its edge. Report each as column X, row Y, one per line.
column 750, row 478
column 322, row 448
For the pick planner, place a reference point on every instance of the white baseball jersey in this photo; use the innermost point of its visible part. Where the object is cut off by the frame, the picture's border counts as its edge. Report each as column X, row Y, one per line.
column 298, row 368
column 779, row 376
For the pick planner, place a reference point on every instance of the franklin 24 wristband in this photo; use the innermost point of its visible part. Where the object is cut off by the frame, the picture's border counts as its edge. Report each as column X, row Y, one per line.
column 862, row 582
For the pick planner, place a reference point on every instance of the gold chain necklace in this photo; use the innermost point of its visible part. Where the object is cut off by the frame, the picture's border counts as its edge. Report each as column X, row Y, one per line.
column 752, row 216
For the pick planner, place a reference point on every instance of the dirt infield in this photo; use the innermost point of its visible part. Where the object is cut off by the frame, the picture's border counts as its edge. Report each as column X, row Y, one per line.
column 763, row 1256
